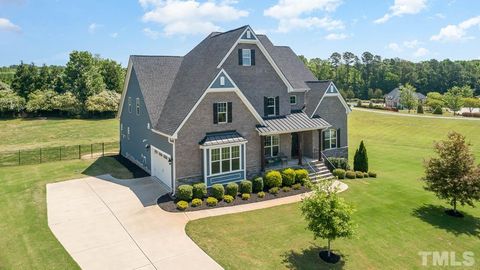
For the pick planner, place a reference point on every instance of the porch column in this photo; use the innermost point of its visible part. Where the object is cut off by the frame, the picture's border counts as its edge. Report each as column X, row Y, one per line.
column 300, row 148
column 262, row 154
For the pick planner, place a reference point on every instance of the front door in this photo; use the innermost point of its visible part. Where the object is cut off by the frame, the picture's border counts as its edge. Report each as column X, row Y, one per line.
column 294, row 145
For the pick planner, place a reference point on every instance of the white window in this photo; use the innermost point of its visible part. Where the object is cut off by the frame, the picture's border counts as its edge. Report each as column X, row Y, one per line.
column 128, row 133
column 249, row 34
column 129, row 104
column 222, row 80
column 137, row 106
column 293, row 100
column 272, row 145
column 224, row 160
column 148, row 125
column 271, row 107
column 222, row 113
column 246, row 57
column 330, row 139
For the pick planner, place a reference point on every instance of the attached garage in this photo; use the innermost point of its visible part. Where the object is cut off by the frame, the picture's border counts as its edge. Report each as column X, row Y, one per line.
column 161, row 167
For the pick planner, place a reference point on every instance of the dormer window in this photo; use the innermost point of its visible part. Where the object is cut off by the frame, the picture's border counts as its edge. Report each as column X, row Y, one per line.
column 293, row 100
column 246, row 57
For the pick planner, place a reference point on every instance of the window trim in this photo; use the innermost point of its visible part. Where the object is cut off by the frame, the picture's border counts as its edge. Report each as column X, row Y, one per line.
column 221, row 159
column 129, row 104
column 295, row 97
column 274, row 106
column 218, row 112
column 137, row 106
column 249, row 58
column 271, row 146
column 330, row 139
column 222, row 80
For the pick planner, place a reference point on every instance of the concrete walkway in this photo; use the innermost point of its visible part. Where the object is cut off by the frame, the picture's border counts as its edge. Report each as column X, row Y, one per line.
column 106, row 223
column 416, row 115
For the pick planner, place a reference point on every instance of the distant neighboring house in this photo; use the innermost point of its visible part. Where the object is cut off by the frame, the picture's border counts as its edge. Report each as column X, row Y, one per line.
column 392, row 99
column 226, row 109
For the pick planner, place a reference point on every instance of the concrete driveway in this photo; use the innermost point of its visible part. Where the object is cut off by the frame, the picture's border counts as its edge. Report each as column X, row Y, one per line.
column 105, row 223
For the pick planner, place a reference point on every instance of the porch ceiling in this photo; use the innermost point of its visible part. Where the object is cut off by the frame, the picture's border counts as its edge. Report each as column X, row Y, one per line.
column 294, row 122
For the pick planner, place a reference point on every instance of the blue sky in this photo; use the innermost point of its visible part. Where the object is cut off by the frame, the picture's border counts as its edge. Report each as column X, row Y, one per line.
column 44, row 31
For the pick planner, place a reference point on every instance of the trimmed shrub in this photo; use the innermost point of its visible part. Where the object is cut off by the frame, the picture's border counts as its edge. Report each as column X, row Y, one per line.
column 339, row 173
column 211, row 201
column 273, row 179
column 350, row 175
column 372, row 174
column 273, row 190
column 340, row 163
column 359, row 103
column 245, row 187
column 360, row 160
column 196, row 202
column 297, row 186
column 301, row 176
column 420, row 109
column 261, row 194
column 199, row 191
column 288, row 177
column 359, row 174
column 365, row 175
column 217, row 191
column 257, row 184
column 246, row 196
column 437, row 110
column 228, row 198
column 182, row 205
column 286, row 189
column 185, row 193
column 231, row 189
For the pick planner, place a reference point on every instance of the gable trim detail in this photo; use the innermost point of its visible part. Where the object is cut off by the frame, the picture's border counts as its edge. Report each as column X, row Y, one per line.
column 337, row 94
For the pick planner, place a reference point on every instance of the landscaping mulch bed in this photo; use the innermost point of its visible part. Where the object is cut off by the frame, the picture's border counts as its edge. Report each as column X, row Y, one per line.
column 168, row 204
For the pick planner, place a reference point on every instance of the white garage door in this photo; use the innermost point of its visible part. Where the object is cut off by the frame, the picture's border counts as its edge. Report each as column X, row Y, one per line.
column 161, row 167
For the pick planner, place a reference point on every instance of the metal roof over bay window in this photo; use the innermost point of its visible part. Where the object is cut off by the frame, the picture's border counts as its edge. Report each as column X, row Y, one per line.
column 222, row 138
column 294, row 122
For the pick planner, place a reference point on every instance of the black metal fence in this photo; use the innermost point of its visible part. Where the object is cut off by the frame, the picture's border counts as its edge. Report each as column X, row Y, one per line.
column 59, row 153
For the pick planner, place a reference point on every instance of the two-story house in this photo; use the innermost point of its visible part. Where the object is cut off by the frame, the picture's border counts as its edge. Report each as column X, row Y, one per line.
column 227, row 110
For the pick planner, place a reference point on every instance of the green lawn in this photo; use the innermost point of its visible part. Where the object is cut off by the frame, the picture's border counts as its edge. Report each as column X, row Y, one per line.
column 396, row 218
column 22, row 134
column 26, row 242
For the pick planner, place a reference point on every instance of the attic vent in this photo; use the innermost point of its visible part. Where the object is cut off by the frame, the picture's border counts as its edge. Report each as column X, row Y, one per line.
column 222, row 80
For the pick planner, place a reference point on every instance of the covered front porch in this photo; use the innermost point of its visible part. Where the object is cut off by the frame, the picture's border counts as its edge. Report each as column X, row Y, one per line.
column 290, row 141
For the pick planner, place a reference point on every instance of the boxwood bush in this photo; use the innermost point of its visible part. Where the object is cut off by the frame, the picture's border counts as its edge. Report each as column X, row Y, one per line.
column 340, row 163
column 365, row 175
column 217, row 191
column 199, row 191
column 301, row 176
column 228, row 198
column 273, row 179
column 211, row 201
column 297, row 186
column 245, row 196
column 288, row 177
column 261, row 194
column 245, row 187
column 257, row 184
column 350, row 175
column 359, row 174
column 182, row 205
column 231, row 189
column 286, row 189
column 196, row 202
column 340, row 173
column 185, row 193
column 372, row 174
column 273, row 190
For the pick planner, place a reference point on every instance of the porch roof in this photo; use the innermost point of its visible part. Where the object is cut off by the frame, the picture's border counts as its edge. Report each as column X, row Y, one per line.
column 219, row 138
column 294, row 122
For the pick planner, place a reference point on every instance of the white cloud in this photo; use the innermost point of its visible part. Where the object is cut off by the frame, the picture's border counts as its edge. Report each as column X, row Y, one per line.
column 151, row 33
column 403, row 7
column 8, row 26
column 440, row 15
column 394, row 47
column 411, row 44
column 114, row 35
column 334, row 36
column 456, row 32
column 92, row 28
column 421, row 52
column 293, row 14
column 191, row 16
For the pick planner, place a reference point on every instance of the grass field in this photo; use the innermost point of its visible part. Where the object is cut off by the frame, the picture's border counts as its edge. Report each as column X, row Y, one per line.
column 396, row 218
column 19, row 134
column 26, row 242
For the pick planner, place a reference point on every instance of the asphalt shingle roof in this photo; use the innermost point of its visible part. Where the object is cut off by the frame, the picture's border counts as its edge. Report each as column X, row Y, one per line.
column 219, row 138
column 317, row 90
column 292, row 123
column 395, row 94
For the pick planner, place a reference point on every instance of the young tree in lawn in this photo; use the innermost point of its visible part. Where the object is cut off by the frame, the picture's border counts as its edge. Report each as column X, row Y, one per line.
column 454, row 97
column 408, row 98
column 435, row 100
column 360, row 160
column 328, row 217
column 453, row 175
column 471, row 103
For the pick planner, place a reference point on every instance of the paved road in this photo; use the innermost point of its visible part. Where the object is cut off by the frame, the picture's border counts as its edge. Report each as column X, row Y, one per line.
column 106, row 223
column 416, row 115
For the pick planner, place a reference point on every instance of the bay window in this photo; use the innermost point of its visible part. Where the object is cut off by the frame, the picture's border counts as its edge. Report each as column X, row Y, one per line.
column 224, row 159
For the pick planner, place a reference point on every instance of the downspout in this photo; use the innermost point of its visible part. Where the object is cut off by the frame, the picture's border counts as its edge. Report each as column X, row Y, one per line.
column 174, row 171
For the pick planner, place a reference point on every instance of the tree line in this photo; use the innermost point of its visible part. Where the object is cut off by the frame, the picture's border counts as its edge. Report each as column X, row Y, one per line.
column 370, row 76
column 88, row 85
